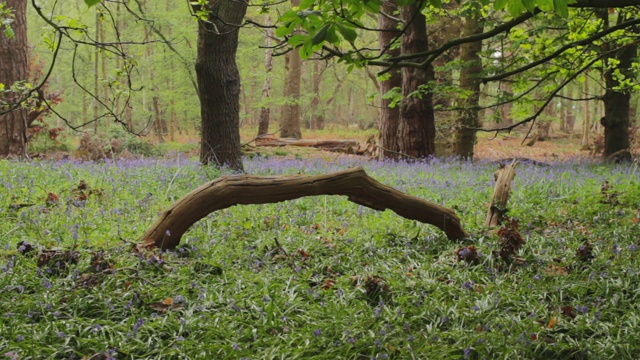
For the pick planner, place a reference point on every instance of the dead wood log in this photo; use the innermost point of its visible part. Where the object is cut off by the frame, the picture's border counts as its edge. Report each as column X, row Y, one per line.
column 348, row 146
column 503, row 177
column 228, row 191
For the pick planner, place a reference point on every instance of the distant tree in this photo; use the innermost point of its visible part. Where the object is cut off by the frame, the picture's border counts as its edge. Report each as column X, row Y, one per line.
column 470, row 72
column 389, row 110
column 13, row 76
column 619, row 78
column 416, row 129
column 290, row 122
column 265, row 111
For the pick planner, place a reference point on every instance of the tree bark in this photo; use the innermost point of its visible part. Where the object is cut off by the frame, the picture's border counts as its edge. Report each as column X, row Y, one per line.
column 389, row 116
column 265, row 110
column 219, row 83
column 317, row 113
column 586, row 118
column 503, row 178
column 616, row 102
column 228, row 191
column 290, row 122
column 13, row 68
column 96, row 77
column 416, row 130
column 465, row 138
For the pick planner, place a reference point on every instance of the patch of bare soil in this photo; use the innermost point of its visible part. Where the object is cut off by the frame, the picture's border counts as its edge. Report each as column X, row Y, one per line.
column 552, row 150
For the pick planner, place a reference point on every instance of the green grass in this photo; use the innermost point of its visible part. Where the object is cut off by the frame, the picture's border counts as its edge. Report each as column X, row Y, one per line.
column 318, row 277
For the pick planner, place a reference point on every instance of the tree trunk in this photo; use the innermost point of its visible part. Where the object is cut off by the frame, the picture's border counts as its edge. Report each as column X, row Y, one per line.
column 228, row 191
column 265, row 111
column 465, row 138
column 586, row 118
column 616, row 102
column 290, row 122
column 13, row 67
column 96, row 78
column 389, row 116
column 317, row 116
column 219, row 83
column 416, row 130
column 158, row 115
column 501, row 192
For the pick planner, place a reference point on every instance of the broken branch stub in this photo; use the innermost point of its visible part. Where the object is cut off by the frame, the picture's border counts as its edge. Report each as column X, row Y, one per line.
column 232, row 190
column 503, row 177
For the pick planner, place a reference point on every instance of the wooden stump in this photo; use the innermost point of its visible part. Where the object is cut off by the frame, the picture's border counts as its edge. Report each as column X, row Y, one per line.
column 503, row 177
column 232, row 190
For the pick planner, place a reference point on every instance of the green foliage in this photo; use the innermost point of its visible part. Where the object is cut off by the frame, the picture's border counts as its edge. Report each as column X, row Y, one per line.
column 91, row 3
column 317, row 277
column 6, row 19
column 136, row 145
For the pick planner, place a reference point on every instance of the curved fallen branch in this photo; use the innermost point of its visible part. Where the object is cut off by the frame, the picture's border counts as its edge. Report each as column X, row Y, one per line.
column 228, row 191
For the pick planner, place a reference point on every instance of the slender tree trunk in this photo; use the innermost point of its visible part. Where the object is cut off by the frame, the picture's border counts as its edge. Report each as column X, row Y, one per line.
column 13, row 67
column 219, row 83
column 103, row 70
column 389, row 116
column 290, row 123
column 317, row 112
column 465, row 138
column 616, row 102
column 155, row 99
column 158, row 115
column 416, row 131
column 265, row 110
column 586, row 118
column 96, row 78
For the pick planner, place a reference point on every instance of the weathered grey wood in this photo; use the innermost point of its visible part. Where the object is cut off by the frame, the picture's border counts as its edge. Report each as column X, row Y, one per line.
column 504, row 177
column 232, row 190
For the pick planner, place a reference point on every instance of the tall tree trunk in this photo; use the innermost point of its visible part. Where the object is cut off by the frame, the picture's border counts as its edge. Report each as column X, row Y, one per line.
column 416, row 130
column 317, row 112
column 103, row 70
column 219, row 83
column 389, row 116
column 586, row 118
column 265, row 110
column 616, row 102
column 154, row 107
column 96, row 78
column 290, row 122
column 13, row 67
column 465, row 138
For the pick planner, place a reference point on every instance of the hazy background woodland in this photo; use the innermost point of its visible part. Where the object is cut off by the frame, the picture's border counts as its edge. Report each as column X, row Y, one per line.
column 162, row 84
column 161, row 99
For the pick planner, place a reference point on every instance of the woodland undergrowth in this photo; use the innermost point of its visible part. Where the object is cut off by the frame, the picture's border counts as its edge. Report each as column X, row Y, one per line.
column 319, row 277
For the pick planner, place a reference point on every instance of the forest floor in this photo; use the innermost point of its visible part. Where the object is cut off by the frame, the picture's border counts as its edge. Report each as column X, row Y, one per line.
column 561, row 147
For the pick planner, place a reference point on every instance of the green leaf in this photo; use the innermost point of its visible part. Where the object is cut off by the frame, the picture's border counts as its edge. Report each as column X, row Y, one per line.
column 348, row 33
column 515, row 7
column 306, row 51
column 436, row 3
column 529, row 5
column 500, row 4
column 320, row 36
column 562, row 7
column 305, row 4
column 332, row 37
column 297, row 40
column 91, row 3
column 545, row 5
column 8, row 32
